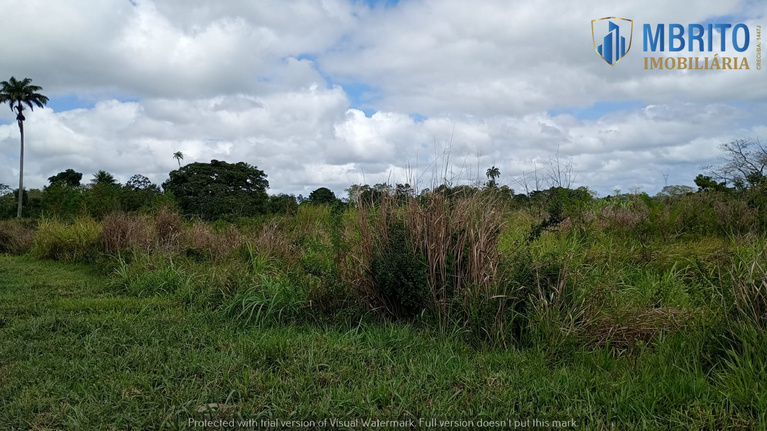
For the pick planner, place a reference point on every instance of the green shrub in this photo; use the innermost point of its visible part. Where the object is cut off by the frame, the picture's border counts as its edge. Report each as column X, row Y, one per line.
column 399, row 273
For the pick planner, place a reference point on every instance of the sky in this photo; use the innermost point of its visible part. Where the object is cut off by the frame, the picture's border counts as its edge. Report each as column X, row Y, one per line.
column 329, row 93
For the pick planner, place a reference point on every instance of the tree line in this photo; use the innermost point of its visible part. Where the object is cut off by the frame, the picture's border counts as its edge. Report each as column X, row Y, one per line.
column 219, row 189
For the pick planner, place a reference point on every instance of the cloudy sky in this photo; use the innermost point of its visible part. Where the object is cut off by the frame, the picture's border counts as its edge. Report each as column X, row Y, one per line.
column 336, row 92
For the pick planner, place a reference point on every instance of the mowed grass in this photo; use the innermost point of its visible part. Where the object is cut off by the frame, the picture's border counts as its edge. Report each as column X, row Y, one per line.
column 76, row 353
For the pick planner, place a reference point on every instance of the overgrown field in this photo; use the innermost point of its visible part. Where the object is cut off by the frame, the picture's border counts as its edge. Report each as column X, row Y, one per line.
column 622, row 314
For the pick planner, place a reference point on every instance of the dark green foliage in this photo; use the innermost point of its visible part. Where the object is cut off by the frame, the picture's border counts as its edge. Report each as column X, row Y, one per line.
column 219, row 189
column 373, row 195
column 139, row 194
column 103, row 198
column 322, row 195
column 67, row 178
column 103, row 178
column 140, row 182
column 399, row 274
column 706, row 183
column 64, row 200
column 8, row 204
column 17, row 93
column 32, row 200
column 283, row 204
column 492, row 173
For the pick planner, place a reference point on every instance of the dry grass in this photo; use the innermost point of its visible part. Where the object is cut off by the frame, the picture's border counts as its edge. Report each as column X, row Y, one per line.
column 274, row 242
column 168, row 226
column 458, row 240
column 15, row 237
column 200, row 236
column 624, row 328
column 626, row 218
column 123, row 232
column 735, row 217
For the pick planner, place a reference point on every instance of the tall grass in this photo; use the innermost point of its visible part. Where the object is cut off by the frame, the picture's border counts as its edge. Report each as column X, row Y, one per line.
column 122, row 232
column 148, row 276
column 748, row 277
column 438, row 254
column 267, row 299
column 68, row 242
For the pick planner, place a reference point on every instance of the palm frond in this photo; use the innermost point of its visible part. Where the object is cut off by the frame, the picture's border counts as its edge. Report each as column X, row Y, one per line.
column 18, row 93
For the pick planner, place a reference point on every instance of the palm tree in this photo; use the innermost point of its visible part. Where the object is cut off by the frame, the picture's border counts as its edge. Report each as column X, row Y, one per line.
column 17, row 94
column 103, row 178
column 179, row 156
column 492, row 173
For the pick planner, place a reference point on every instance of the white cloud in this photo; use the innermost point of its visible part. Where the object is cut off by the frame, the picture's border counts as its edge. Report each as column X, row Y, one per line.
column 262, row 82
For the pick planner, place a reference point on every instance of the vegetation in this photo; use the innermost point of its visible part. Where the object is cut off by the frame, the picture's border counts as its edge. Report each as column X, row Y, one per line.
column 212, row 190
column 457, row 303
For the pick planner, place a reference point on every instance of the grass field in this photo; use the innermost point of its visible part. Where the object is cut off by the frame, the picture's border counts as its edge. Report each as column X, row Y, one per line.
column 76, row 352
column 448, row 310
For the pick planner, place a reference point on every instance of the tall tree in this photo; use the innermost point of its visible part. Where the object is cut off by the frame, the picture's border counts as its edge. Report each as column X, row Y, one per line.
column 219, row 189
column 17, row 94
column 179, row 156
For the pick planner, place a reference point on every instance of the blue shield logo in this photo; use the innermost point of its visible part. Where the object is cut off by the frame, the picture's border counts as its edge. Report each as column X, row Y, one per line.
column 609, row 37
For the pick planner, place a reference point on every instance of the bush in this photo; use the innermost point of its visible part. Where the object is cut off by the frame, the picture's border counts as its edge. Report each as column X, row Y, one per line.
column 447, row 244
column 399, row 273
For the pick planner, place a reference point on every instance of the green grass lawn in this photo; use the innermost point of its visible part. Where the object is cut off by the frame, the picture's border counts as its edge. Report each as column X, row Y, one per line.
column 77, row 353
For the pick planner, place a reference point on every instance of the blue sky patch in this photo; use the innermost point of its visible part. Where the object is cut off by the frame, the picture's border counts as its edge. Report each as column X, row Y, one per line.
column 381, row 3
column 361, row 96
column 597, row 110
column 67, row 102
